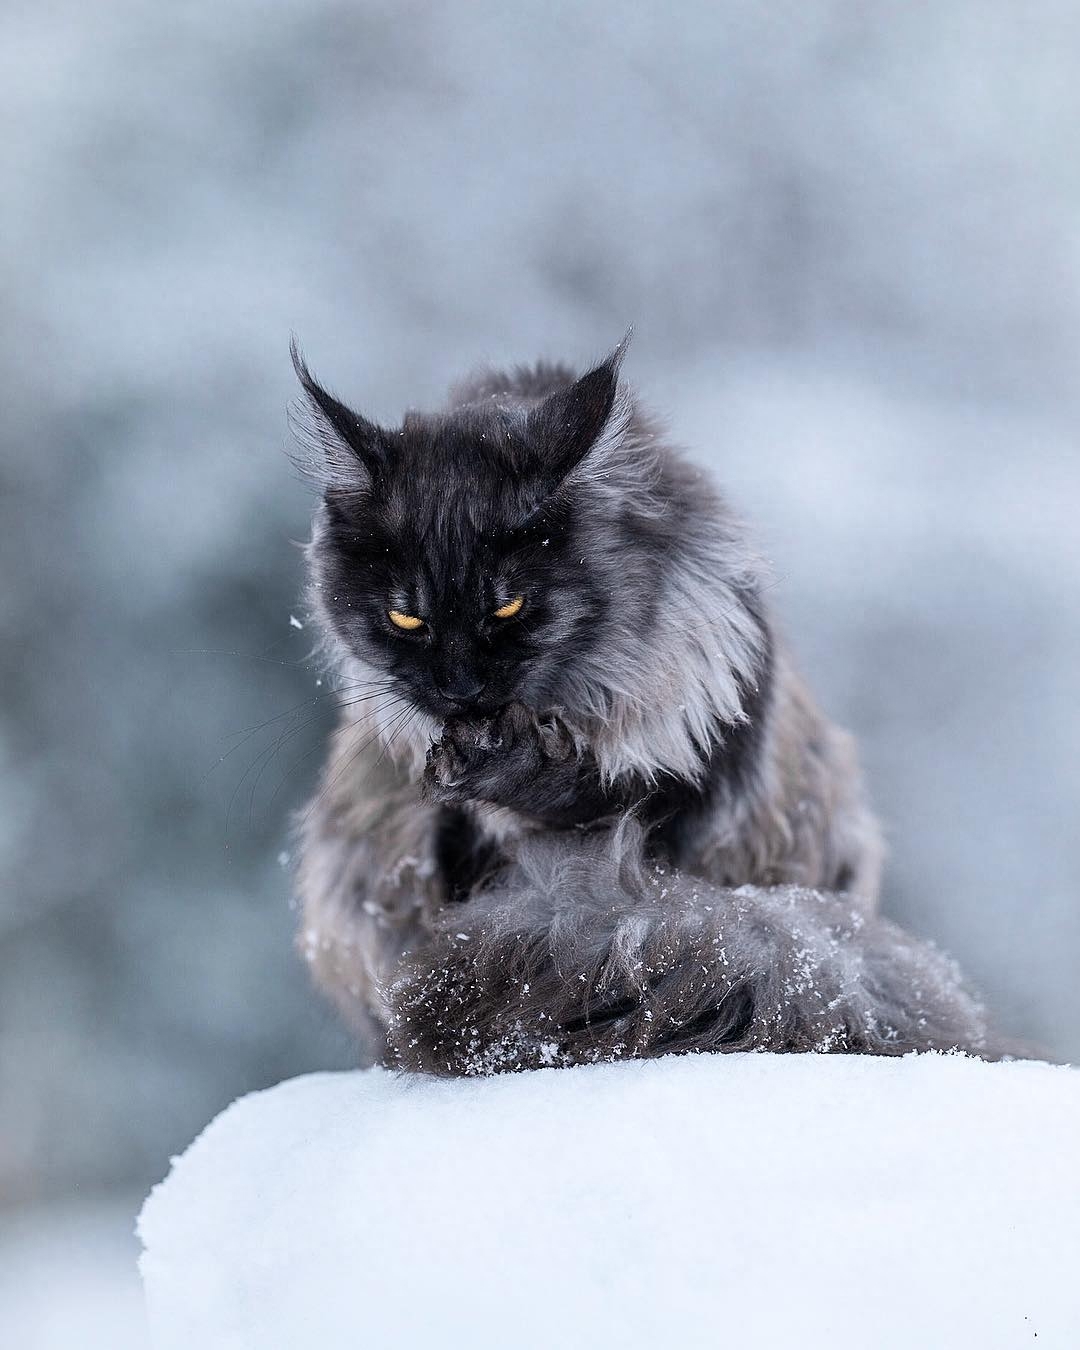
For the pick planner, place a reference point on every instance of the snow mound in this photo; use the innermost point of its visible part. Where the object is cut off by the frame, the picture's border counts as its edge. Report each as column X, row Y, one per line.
column 744, row 1200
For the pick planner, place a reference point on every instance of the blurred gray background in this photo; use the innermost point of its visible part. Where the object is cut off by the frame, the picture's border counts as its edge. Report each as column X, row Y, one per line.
column 849, row 238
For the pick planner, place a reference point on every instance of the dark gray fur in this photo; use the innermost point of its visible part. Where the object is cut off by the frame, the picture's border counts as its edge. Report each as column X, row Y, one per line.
column 595, row 954
column 480, row 881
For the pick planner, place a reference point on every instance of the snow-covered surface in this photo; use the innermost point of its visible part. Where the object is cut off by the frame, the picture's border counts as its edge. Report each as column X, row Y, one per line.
column 751, row 1201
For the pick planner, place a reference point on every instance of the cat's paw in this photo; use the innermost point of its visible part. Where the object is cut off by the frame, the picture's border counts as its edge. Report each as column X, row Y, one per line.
column 453, row 762
column 494, row 758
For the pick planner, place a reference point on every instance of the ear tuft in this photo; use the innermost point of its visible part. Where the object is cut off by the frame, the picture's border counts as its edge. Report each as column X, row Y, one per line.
column 569, row 422
column 337, row 441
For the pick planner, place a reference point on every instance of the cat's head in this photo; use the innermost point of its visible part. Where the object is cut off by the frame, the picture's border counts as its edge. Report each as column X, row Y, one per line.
column 475, row 556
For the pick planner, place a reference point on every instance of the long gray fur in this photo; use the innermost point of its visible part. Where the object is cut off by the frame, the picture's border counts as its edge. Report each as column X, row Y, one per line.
column 579, row 947
column 582, row 955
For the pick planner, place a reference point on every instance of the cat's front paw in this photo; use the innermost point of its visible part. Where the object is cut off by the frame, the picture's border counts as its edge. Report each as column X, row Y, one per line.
column 455, row 762
column 493, row 759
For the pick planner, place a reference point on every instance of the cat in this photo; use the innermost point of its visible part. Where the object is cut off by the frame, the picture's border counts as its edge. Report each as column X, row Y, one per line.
column 579, row 805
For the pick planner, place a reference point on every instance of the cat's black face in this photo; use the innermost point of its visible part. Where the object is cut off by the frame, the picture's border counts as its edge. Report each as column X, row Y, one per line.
column 459, row 577
column 460, row 565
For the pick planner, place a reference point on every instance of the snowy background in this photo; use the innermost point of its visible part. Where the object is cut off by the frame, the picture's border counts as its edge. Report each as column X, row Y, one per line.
column 849, row 237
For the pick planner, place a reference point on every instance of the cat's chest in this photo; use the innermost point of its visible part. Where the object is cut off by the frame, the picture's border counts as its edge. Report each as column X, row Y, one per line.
column 501, row 825
column 471, row 842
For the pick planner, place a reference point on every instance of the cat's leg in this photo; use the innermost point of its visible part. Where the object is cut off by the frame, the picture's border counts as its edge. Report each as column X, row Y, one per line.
column 582, row 953
column 367, row 883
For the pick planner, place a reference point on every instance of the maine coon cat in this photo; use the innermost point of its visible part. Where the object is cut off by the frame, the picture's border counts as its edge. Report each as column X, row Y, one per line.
column 579, row 804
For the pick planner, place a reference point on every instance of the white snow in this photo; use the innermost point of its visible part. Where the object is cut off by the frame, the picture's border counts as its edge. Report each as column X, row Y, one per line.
column 745, row 1200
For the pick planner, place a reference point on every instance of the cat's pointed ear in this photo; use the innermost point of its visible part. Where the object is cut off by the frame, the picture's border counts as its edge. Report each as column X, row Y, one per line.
column 343, row 448
column 574, row 420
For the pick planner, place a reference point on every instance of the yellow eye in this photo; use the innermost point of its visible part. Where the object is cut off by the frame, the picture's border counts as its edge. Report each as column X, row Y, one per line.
column 407, row 621
column 509, row 610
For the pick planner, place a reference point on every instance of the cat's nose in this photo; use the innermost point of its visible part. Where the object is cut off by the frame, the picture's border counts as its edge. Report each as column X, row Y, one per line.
column 460, row 688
